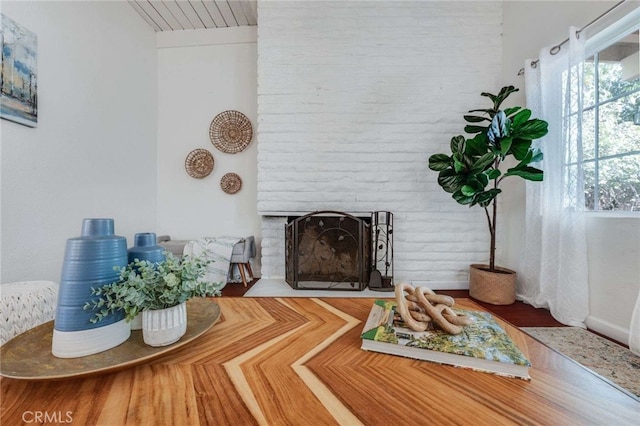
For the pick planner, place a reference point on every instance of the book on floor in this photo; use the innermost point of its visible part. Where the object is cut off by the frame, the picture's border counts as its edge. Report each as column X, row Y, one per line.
column 482, row 346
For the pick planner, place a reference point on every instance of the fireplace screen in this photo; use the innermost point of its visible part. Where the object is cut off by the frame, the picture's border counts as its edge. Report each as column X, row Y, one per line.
column 328, row 251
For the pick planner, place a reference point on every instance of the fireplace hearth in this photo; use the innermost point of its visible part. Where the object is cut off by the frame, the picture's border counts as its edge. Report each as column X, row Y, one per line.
column 328, row 250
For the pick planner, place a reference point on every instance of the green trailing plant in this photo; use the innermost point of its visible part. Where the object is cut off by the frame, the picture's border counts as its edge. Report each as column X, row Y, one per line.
column 472, row 172
column 145, row 286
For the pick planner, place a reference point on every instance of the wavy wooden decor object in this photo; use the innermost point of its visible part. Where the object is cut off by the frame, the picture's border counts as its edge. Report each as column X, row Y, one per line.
column 276, row 361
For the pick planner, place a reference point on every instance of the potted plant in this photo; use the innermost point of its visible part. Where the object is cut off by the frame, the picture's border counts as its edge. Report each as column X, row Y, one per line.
column 472, row 173
column 159, row 291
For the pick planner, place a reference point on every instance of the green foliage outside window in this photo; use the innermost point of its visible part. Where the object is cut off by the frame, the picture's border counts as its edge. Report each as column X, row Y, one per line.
column 611, row 137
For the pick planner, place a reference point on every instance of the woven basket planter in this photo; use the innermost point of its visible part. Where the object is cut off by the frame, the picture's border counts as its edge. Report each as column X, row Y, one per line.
column 497, row 288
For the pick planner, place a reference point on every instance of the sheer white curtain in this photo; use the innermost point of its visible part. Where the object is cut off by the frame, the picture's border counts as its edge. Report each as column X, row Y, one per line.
column 553, row 271
column 634, row 329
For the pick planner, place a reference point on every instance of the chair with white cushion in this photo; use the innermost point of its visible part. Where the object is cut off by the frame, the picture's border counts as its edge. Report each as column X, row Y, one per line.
column 24, row 305
column 243, row 252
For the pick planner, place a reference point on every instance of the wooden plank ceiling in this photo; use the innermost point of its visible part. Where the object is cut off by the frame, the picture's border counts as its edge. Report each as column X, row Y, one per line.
column 175, row 15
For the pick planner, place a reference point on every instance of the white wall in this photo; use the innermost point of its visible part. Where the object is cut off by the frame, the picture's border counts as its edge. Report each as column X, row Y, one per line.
column 93, row 153
column 613, row 242
column 614, row 273
column 202, row 73
column 353, row 97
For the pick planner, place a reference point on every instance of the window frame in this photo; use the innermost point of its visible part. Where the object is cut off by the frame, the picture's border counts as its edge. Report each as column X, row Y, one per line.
column 593, row 46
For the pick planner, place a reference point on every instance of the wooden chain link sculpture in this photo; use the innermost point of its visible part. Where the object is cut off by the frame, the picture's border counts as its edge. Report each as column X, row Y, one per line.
column 421, row 306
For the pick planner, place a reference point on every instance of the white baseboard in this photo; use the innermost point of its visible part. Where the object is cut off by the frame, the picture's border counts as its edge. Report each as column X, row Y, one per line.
column 608, row 329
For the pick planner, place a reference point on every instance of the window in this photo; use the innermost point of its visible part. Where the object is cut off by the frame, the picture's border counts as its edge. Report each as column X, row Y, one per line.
column 611, row 126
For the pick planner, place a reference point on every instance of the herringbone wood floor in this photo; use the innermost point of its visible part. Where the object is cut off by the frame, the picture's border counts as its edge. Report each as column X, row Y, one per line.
column 297, row 361
column 519, row 314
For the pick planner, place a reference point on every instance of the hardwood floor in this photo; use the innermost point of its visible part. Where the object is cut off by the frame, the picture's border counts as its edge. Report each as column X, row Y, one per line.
column 518, row 314
column 298, row 361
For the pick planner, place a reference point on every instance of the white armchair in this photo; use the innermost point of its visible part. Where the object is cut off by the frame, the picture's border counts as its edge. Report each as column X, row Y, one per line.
column 243, row 252
column 24, row 305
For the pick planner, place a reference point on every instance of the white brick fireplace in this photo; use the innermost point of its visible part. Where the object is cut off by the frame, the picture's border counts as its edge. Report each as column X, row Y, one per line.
column 353, row 97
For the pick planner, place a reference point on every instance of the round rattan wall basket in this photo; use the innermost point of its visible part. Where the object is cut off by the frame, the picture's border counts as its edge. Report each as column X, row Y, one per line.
column 199, row 163
column 231, row 183
column 231, row 132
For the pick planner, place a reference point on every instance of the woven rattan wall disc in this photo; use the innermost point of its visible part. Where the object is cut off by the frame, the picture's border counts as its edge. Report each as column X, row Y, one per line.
column 199, row 163
column 231, row 183
column 231, row 132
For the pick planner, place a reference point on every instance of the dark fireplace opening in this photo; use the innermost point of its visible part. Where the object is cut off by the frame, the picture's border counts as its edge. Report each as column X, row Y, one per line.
column 328, row 250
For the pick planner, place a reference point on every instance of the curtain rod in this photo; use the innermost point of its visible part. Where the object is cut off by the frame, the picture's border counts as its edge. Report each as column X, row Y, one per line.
column 556, row 49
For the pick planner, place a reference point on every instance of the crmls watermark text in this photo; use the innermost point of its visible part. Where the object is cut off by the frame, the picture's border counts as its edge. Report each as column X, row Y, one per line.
column 47, row 417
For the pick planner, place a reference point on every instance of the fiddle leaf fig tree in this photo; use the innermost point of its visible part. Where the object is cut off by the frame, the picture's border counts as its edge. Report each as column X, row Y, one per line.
column 472, row 173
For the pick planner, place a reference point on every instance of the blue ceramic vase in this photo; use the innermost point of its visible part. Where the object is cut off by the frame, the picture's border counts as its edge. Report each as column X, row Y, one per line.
column 145, row 247
column 89, row 261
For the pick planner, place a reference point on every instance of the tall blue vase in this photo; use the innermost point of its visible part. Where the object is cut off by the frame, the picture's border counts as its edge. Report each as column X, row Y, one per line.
column 89, row 261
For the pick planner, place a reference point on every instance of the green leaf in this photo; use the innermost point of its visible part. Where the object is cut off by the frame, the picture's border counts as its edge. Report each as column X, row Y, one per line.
column 461, row 198
column 483, row 162
column 521, row 118
column 462, row 145
column 490, row 112
column 496, row 151
column 449, row 180
column 537, row 155
column 474, row 129
column 475, row 118
column 520, row 148
column 490, row 96
column 456, row 141
column 439, row 162
column 534, row 155
column 501, row 96
column 469, row 161
column 468, row 190
column 476, row 146
column 493, row 174
column 505, row 145
column 477, row 182
column 532, row 129
column 458, row 165
column 528, row 173
column 482, row 180
column 510, row 111
column 526, row 160
column 485, row 198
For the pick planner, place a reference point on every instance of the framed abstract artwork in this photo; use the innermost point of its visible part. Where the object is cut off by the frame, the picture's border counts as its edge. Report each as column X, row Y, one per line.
column 18, row 73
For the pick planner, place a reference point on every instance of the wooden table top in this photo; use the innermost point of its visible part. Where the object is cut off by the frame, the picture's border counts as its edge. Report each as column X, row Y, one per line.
column 298, row 361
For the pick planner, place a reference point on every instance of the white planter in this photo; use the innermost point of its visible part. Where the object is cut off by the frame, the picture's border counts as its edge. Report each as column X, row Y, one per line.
column 163, row 327
column 136, row 322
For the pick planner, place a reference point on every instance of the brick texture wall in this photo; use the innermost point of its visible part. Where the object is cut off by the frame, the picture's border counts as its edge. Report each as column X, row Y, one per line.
column 353, row 97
